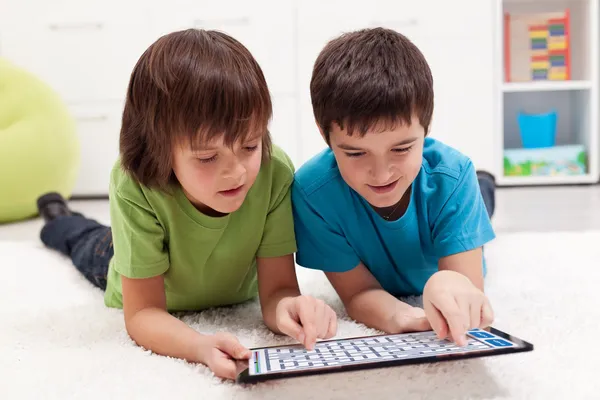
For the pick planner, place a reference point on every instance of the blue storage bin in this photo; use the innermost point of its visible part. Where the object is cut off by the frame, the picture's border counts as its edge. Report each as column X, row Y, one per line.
column 538, row 130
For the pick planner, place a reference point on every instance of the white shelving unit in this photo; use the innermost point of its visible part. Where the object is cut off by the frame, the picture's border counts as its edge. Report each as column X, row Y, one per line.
column 545, row 86
column 575, row 100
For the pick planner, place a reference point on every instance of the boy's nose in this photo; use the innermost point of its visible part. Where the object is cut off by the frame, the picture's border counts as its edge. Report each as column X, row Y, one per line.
column 238, row 172
column 381, row 174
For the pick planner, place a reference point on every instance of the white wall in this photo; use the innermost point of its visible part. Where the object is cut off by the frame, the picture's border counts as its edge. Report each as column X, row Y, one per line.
column 86, row 51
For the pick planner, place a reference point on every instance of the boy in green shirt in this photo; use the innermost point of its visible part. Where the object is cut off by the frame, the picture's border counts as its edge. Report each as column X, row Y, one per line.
column 200, row 206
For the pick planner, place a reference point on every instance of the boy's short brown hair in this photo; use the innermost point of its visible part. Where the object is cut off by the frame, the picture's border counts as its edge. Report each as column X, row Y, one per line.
column 192, row 85
column 370, row 76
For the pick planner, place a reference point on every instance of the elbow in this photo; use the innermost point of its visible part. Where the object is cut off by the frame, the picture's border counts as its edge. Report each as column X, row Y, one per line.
column 130, row 325
column 352, row 306
column 359, row 306
column 134, row 320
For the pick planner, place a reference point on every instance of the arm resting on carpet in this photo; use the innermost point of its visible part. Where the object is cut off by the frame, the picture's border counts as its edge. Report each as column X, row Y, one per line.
column 368, row 303
column 152, row 327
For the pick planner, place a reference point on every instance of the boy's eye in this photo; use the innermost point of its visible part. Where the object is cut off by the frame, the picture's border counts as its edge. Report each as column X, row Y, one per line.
column 404, row 150
column 251, row 148
column 207, row 160
column 355, row 154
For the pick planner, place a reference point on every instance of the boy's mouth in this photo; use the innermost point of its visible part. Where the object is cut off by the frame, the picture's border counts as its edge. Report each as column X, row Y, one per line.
column 231, row 192
column 385, row 188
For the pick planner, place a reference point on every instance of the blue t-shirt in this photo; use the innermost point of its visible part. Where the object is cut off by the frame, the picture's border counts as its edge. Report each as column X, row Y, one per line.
column 336, row 228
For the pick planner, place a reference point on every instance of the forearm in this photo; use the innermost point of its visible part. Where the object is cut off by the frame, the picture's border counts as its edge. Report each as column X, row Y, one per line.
column 269, row 306
column 469, row 264
column 476, row 278
column 157, row 330
column 375, row 308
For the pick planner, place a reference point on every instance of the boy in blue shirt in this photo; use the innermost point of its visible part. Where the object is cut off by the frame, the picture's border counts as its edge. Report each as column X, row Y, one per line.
column 386, row 211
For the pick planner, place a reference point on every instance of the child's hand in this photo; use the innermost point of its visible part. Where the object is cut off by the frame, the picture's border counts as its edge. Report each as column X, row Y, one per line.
column 454, row 305
column 409, row 319
column 223, row 353
column 306, row 319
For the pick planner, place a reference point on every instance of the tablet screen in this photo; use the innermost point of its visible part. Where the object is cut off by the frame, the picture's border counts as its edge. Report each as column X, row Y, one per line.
column 338, row 354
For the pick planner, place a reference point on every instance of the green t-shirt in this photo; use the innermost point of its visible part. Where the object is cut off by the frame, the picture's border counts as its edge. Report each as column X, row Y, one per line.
column 206, row 261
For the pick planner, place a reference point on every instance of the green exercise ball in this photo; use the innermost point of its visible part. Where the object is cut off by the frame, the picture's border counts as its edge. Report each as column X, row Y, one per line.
column 39, row 147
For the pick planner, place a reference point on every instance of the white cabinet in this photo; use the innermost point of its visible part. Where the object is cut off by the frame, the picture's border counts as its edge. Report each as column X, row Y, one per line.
column 87, row 50
column 435, row 19
column 98, row 125
column 463, row 114
column 318, row 22
column 265, row 27
column 284, row 126
column 84, row 49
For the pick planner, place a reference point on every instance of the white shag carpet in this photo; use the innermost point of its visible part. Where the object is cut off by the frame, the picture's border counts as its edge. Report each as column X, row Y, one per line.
column 58, row 341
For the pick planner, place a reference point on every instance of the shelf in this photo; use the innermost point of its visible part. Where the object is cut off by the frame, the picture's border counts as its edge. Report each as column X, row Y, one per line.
column 558, row 164
column 545, row 180
column 544, row 86
column 574, row 113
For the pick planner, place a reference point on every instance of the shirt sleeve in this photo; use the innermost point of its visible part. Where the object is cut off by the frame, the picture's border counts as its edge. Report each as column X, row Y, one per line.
column 138, row 238
column 320, row 245
column 463, row 223
column 278, row 236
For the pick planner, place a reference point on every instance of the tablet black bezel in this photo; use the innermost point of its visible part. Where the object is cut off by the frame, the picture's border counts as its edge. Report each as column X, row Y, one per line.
column 522, row 346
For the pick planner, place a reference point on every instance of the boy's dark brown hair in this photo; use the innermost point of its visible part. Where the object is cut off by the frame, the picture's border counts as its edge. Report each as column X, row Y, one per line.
column 192, row 85
column 372, row 76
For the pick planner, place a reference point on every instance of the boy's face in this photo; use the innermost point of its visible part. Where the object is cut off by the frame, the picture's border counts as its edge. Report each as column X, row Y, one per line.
column 216, row 178
column 382, row 165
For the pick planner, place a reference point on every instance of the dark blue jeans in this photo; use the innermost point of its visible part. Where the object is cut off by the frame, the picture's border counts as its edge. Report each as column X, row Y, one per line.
column 487, row 186
column 88, row 243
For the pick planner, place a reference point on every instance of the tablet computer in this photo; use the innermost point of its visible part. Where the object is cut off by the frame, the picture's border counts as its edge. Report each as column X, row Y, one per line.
column 378, row 351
